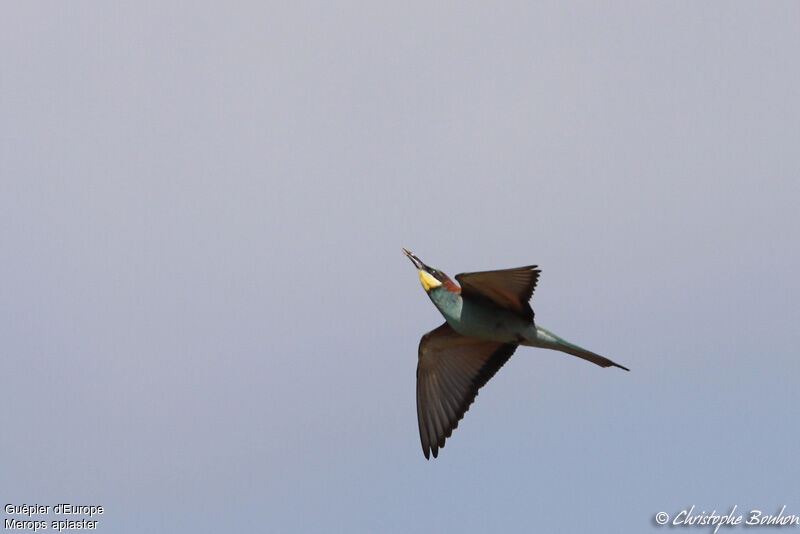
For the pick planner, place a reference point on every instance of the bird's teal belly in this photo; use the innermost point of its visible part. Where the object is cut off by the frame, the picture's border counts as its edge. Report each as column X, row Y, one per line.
column 481, row 321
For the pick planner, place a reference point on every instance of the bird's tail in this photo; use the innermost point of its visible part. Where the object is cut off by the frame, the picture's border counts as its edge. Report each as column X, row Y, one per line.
column 549, row 340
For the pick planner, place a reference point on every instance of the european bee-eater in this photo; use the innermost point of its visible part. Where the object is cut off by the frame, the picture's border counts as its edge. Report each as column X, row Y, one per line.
column 485, row 320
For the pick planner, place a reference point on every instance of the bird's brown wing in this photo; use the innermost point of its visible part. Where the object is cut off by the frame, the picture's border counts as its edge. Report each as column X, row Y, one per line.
column 508, row 288
column 451, row 370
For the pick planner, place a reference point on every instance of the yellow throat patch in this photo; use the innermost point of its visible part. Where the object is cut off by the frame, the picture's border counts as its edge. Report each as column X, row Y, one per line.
column 428, row 281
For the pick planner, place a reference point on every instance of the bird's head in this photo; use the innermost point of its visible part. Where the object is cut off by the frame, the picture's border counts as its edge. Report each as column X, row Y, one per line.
column 431, row 278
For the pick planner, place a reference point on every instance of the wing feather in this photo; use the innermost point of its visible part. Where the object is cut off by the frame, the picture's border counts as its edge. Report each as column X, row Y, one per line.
column 451, row 370
column 508, row 288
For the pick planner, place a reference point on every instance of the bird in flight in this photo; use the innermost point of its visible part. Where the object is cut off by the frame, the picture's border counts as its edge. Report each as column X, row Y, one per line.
column 486, row 319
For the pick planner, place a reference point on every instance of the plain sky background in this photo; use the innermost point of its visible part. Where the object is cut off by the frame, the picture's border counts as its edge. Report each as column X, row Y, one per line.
column 207, row 323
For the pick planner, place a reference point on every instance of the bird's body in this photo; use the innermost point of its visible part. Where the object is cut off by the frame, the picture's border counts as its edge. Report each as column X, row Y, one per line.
column 485, row 320
column 478, row 319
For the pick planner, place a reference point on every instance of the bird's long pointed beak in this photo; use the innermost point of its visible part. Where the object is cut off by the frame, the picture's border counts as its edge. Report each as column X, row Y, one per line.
column 415, row 260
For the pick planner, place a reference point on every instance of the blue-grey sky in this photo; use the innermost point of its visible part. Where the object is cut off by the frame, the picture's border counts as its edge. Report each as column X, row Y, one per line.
column 207, row 323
